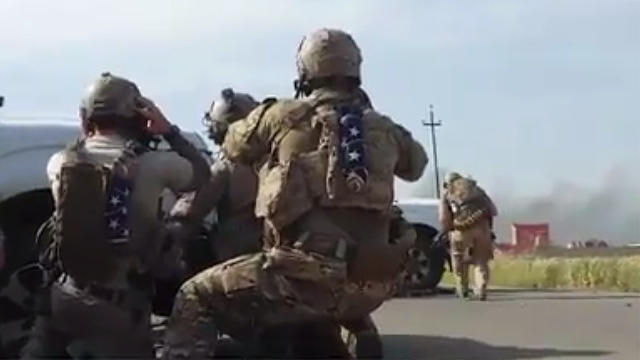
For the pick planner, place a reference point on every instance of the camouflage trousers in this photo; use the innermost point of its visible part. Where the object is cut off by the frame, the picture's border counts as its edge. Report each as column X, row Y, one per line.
column 17, row 307
column 82, row 325
column 472, row 246
column 246, row 296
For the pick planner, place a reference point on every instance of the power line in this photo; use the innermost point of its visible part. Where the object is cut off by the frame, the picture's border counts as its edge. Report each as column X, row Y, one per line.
column 432, row 124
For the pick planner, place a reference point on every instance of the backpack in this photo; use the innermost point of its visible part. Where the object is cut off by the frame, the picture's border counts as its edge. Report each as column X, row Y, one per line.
column 336, row 165
column 91, row 218
column 468, row 203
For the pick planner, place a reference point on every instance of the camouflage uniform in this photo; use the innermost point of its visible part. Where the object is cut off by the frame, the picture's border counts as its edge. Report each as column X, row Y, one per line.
column 110, row 319
column 17, row 301
column 232, row 188
column 472, row 244
column 329, row 256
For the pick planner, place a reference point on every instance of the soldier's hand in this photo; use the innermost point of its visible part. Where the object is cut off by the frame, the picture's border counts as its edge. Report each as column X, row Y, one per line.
column 157, row 123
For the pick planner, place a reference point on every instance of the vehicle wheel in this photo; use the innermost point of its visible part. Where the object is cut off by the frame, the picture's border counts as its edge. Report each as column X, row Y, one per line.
column 426, row 266
column 21, row 218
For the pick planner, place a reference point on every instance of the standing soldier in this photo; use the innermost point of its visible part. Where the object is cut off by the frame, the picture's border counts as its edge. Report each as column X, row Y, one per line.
column 325, row 195
column 467, row 212
column 108, row 237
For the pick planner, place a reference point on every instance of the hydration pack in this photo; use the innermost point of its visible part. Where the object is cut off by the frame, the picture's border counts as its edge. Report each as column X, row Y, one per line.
column 92, row 213
column 468, row 203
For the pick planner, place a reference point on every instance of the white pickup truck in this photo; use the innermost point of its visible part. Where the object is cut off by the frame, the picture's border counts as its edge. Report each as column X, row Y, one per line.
column 25, row 199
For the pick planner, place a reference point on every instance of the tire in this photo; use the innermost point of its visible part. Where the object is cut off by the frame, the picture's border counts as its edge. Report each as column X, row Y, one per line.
column 427, row 263
column 21, row 218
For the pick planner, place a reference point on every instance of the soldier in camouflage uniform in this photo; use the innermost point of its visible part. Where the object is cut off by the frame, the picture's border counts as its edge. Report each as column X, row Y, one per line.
column 325, row 195
column 101, row 309
column 232, row 188
column 232, row 191
column 467, row 212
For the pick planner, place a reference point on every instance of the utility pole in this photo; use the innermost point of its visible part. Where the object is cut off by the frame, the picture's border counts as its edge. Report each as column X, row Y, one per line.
column 432, row 124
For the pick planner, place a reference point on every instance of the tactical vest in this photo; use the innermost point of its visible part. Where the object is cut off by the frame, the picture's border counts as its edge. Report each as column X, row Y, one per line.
column 91, row 218
column 240, row 196
column 330, row 153
column 467, row 202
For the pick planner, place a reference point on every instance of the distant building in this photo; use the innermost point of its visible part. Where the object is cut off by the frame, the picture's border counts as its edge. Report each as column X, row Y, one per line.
column 526, row 238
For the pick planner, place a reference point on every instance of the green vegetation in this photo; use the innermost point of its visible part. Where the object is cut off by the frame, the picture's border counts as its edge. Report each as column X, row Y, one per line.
column 621, row 273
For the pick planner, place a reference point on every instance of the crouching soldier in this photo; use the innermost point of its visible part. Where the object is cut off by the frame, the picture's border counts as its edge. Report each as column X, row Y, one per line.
column 108, row 238
column 324, row 192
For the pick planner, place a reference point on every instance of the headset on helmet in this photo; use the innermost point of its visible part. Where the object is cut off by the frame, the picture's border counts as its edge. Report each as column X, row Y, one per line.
column 451, row 177
column 229, row 108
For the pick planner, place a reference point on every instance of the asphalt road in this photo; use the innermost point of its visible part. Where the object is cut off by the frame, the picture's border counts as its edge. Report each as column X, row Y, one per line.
column 513, row 325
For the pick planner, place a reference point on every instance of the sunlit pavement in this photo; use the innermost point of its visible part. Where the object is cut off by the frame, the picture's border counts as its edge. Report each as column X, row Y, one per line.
column 513, row 324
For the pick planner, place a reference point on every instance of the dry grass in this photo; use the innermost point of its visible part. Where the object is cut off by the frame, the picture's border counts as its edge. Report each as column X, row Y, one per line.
column 587, row 252
column 616, row 273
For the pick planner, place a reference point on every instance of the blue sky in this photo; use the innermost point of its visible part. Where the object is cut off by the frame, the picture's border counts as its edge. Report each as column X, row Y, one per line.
column 531, row 93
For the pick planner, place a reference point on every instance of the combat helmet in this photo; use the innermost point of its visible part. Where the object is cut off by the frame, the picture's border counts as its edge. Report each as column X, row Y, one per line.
column 230, row 107
column 451, row 177
column 327, row 53
column 110, row 96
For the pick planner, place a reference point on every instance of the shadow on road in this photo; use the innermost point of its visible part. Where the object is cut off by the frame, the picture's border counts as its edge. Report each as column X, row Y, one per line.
column 565, row 297
column 442, row 348
column 508, row 294
column 511, row 295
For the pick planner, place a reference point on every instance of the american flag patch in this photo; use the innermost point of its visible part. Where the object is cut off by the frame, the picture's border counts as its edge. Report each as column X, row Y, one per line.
column 351, row 136
column 117, row 209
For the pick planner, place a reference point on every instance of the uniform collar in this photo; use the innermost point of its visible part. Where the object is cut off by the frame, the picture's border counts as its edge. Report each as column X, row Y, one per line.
column 113, row 138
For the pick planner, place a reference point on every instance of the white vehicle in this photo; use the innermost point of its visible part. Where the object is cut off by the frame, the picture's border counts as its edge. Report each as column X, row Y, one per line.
column 25, row 198
column 420, row 211
column 429, row 257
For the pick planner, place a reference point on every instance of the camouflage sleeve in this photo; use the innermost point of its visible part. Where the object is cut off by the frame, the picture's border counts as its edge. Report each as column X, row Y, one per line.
column 445, row 216
column 208, row 197
column 247, row 141
column 412, row 157
column 165, row 169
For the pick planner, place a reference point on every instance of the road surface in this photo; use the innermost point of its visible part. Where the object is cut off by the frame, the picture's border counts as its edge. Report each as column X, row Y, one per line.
column 513, row 325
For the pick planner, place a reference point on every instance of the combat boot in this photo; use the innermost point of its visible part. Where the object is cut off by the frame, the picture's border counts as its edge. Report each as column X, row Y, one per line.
column 462, row 293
